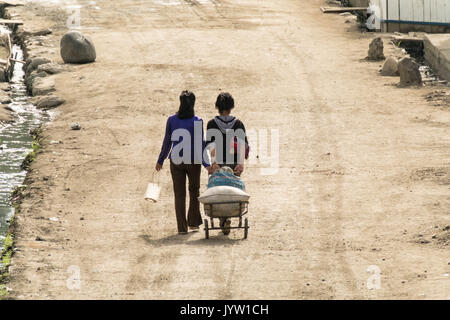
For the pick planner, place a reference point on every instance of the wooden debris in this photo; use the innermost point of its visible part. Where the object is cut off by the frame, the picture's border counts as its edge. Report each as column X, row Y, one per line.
column 9, row 65
column 11, row 3
column 342, row 9
column 6, row 21
column 19, row 61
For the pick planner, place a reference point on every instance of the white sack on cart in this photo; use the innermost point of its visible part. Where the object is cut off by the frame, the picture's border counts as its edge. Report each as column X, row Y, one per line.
column 224, row 194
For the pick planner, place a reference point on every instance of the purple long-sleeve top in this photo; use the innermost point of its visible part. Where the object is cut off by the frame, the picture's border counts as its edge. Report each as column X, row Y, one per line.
column 176, row 131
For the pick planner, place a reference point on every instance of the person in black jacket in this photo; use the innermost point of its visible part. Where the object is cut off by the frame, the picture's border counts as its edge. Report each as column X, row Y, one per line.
column 227, row 140
column 226, row 136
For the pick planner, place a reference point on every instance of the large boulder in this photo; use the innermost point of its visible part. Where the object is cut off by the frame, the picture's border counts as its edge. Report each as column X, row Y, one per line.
column 376, row 49
column 390, row 67
column 409, row 72
column 77, row 48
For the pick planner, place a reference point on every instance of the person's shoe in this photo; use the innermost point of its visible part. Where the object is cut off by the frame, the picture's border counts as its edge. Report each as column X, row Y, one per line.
column 226, row 227
column 194, row 229
column 182, row 232
column 222, row 223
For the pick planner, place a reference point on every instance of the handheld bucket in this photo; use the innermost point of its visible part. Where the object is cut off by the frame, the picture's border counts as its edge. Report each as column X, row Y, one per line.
column 153, row 191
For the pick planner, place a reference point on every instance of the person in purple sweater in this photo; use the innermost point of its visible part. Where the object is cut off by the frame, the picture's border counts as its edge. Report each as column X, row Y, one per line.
column 184, row 144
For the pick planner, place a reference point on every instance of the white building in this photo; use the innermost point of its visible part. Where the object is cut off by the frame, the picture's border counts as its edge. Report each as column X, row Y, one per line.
column 413, row 15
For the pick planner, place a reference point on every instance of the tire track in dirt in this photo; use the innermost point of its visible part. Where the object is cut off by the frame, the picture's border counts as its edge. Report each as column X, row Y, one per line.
column 228, row 283
column 321, row 114
column 162, row 264
column 197, row 9
column 225, row 265
column 69, row 175
column 219, row 7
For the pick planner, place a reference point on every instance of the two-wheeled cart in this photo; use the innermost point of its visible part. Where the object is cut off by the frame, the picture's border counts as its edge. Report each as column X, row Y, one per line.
column 226, row 210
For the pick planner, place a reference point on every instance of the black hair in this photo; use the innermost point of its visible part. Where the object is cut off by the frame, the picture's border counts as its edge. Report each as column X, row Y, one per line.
column 187, row 103
column 225, row 102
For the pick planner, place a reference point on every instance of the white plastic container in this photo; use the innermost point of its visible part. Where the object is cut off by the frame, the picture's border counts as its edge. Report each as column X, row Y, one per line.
column 153, row 191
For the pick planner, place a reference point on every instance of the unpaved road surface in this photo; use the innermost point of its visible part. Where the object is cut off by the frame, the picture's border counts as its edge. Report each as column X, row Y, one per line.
column 364, row 173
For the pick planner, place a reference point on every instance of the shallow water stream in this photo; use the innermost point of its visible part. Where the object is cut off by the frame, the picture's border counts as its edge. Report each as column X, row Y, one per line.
column 15, row 141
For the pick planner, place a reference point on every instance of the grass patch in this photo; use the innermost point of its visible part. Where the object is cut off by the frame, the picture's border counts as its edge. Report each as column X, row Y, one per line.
column 31, row 156
column 6, row 262
column 35, row 146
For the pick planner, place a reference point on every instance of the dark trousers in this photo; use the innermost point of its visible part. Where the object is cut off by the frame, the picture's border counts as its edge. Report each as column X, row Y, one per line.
column 179, row 174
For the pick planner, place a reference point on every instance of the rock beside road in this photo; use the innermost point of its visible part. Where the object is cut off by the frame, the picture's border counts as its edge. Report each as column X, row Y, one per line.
column 409, row 72
column 390, row 67
column 34, row 33
column 43, row 86
column 75, row 126
column 48, row 102
column 77, row 48
column 33, row 63
column 33, row 75
column 3, row 75
column 376, row 50
column 50, row 68
column 5, row 116
column 5, row 100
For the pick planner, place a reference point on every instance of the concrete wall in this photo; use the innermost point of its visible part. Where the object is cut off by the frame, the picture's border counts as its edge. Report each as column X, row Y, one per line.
column 437, row 53
column 412, row 27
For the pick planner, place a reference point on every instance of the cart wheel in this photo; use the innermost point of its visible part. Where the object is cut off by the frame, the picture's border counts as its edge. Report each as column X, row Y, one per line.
column 206, row 229
column 246, row 228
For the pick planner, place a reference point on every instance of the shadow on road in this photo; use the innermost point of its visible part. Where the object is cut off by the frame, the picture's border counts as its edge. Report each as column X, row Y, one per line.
column 174, row 240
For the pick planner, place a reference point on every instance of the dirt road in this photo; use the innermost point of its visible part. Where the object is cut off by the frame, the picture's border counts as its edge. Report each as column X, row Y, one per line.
column 363, row 181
